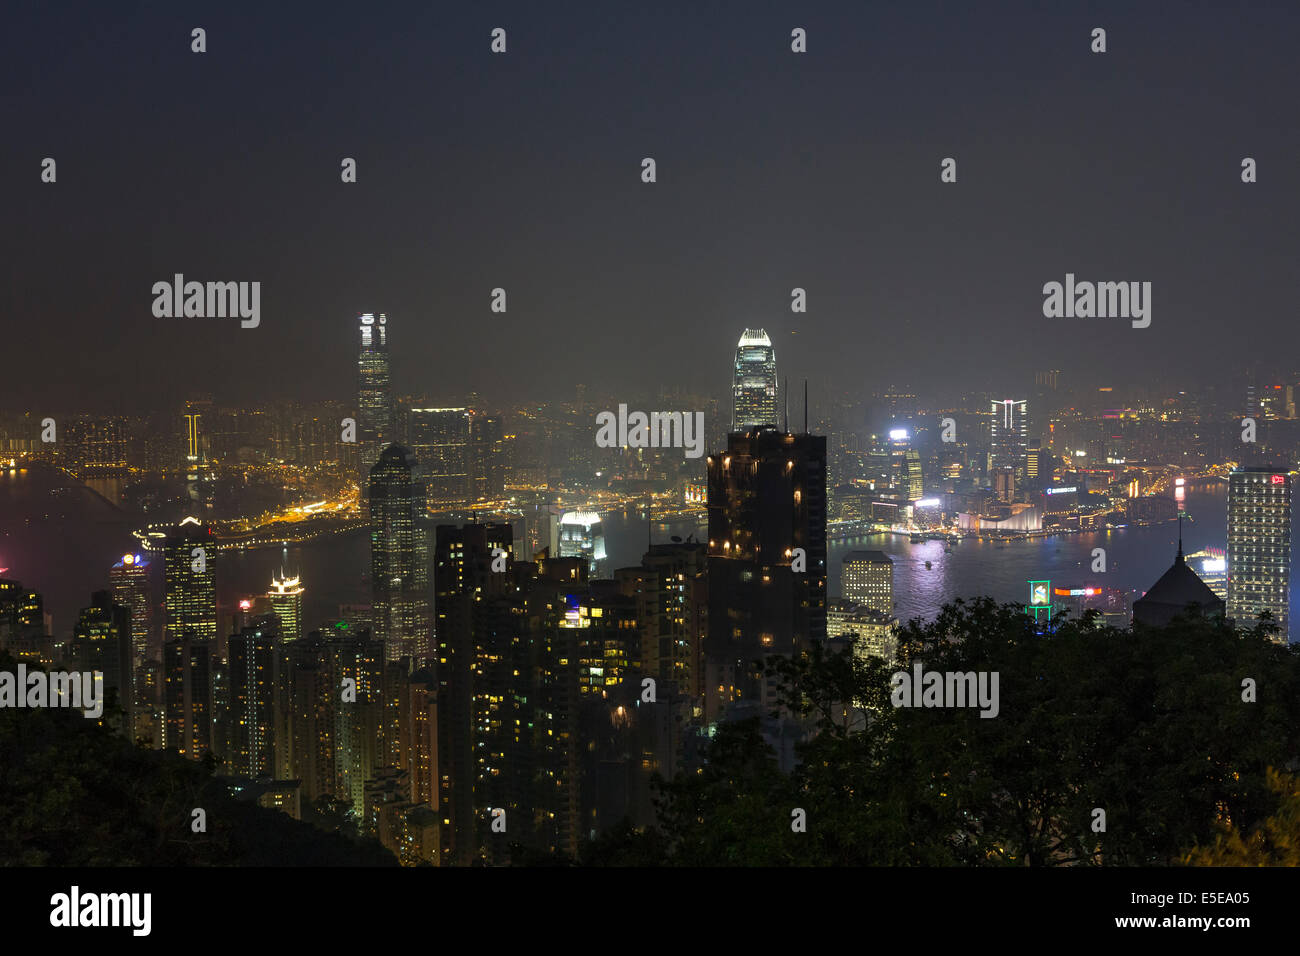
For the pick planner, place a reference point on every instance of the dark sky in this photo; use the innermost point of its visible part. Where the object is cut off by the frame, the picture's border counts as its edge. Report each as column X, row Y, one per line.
column 523, row 171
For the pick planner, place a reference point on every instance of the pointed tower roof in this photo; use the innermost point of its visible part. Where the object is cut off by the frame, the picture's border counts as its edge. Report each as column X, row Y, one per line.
column 1179, row 590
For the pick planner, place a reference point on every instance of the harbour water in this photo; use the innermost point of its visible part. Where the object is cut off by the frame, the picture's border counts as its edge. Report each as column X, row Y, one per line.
column 62, row 543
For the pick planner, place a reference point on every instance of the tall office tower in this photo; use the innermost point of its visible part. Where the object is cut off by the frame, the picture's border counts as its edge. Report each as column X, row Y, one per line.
column 103, row 636
column 440, row 442
column 129, row 579
column 399, row 557
column 478, row 634
column 189, row 581
column 1009, row 435
column 905, row 465
column 753, row 391
column 254, row 676
column 487, row 438
column 285, row 598
column 867, row 579
column 374, row 399
column 915, row 481
column 1259, row 547
column 582, row 535
column 187, row 696
column 767, row 517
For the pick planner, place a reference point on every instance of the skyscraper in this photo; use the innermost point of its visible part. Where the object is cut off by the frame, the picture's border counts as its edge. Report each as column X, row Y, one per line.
column 767, row 559
column 187, row 696
column 581, row 535
column 1259, row 547
column 254, row 679
column 1009, row 436
column 867, row 578
column 440, row 442
column 476, row 631
column 189, row 582
column 374, row 400
column 399, row 558
column 285, row 598
column 131, row 587
column 103, row 636
column 754, row 386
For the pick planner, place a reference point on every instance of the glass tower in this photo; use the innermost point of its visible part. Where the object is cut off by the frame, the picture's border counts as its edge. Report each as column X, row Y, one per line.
column 399, row 573
column 754, row 386
column 374, row 403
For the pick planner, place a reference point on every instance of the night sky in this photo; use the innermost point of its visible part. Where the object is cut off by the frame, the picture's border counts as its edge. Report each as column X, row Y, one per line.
column 522, row 171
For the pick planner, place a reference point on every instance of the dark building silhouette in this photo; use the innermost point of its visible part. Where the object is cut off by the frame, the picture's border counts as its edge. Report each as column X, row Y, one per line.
column 103, row 636
column 1179, row 591
column 766, row 500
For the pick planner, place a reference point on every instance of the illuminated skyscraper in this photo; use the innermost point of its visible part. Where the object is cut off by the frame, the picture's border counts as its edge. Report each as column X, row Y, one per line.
column 254, row 679
column 754, row 386
column 581, row 535
column 131, row 587
column 285, row 598
column 374, row 400
column 1259, row 547
column 189, row 582
column 1009, row 436
column 399, row 557
column 867, row 578
column 187, row 696
column 440, row 442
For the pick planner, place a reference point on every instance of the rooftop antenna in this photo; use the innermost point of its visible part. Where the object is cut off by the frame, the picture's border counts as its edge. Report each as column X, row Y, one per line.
column 805, row 406
column 1180, row 535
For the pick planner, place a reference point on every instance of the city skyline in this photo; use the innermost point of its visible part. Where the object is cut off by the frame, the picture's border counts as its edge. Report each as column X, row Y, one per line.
column 740, row 436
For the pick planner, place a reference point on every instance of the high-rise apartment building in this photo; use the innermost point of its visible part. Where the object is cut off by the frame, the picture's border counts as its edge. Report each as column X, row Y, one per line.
column 187, row 696
column 254, row 677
